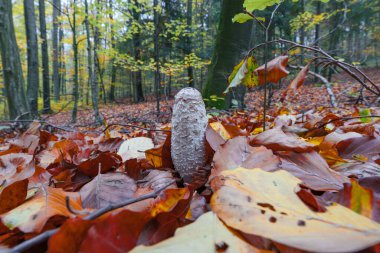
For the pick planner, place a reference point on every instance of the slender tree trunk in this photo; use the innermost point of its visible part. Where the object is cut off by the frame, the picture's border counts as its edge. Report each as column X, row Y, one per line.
column 76, row 66
column 45, row 59
column 113, row 48
column 137, row 75
column 91, row 76
column 316, row 38
column 302, row 34
column 32, row 52
column 188, row 51
column 56, row 67
column 94, row 83
column 12, row 71
column 157, row 78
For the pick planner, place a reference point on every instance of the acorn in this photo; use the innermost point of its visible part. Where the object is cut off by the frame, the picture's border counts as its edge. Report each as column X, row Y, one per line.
column 189, row 123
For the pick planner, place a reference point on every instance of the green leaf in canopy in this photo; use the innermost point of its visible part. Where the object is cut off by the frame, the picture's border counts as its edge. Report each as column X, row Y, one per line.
column 252, row 5
column 241, row 18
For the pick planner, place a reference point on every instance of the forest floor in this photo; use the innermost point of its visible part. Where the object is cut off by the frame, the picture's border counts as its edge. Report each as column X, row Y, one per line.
column 312, row 95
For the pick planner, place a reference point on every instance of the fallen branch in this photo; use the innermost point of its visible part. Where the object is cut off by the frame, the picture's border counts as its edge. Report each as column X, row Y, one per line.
column 46, row 235
column 138, row 127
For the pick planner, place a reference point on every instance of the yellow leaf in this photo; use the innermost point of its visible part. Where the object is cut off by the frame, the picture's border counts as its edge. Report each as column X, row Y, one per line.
column 266, row 204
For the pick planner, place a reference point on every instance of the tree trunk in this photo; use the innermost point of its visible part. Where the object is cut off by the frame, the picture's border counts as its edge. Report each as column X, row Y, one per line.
column 45, row 59
column 231, row 41
column 137, row 75
column 113, row 48
column 32, row 52
column 156, row 56
column 94, row 83
column 91, row 76
column 76, row 67
column 188, row 51
column 56, row 67
column 12, row 71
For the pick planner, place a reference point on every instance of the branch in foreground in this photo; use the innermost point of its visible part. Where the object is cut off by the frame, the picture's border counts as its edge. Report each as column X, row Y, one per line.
column 46, row 235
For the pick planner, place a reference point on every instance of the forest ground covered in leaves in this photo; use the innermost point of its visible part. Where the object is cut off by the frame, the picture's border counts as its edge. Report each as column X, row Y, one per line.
column 309, row 182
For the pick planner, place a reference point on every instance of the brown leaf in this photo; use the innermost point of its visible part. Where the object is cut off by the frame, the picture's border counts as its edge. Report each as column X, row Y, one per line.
column 297, row 82
column 312, row 169
column 238, row 153
column 276, row 70
column 69, row 236
column 13, row 195
column 103, row 160
column 277, row 140
column 33, row 214
column 106, row 189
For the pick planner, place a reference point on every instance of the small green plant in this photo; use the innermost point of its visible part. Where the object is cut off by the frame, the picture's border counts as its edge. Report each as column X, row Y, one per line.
column 214, row 102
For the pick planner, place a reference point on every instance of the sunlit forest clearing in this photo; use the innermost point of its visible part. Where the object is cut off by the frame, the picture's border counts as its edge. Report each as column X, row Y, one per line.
column 189, row 126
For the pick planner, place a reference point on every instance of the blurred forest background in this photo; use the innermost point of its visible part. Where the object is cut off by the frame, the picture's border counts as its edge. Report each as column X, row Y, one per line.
column 85, row 53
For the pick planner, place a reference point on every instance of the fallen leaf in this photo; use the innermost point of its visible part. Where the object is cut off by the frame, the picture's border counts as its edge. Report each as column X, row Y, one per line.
column 238, row 153
column 266, row 204
column 202, row 236
column 135, row 148
column 107, row 189
column 312, row 169
column 277, row 140
column 103, row 160
column 33, row 214
column 69, row 236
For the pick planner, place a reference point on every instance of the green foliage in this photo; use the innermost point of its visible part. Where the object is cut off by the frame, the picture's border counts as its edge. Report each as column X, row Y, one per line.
column 241, row 18
column 252, row 5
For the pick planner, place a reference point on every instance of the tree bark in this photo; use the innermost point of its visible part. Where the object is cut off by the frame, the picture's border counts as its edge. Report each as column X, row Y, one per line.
column 12, row 71
column 231, row 43
column 32, row 52
column 45, row 59
column 56, row 67
column 76, row 65
column 113, row 47
column 137, row 75
column 157, row 78
column 94, row 83
column 188, row 51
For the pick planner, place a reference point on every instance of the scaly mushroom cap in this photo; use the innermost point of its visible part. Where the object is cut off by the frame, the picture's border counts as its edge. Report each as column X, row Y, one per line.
column 189, row 122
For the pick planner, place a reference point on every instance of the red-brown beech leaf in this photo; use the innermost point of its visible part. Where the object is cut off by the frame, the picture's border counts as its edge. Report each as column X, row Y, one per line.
column 13, row 195
column 69, row 236
column 297, row 82
column 164, row 224
column 361, row 196
column 105, row 160
column 276, row 70
column 312, row 169
column 160, row 156
column 15, row 169
column 367, row 146
column 118, row 232
column 237, row 152
column 111, row 144
column 277, row 140
column 106, row 189
column 213, row 138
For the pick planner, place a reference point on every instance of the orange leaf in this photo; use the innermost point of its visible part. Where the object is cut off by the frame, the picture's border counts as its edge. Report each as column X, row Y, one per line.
column 276, row 69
